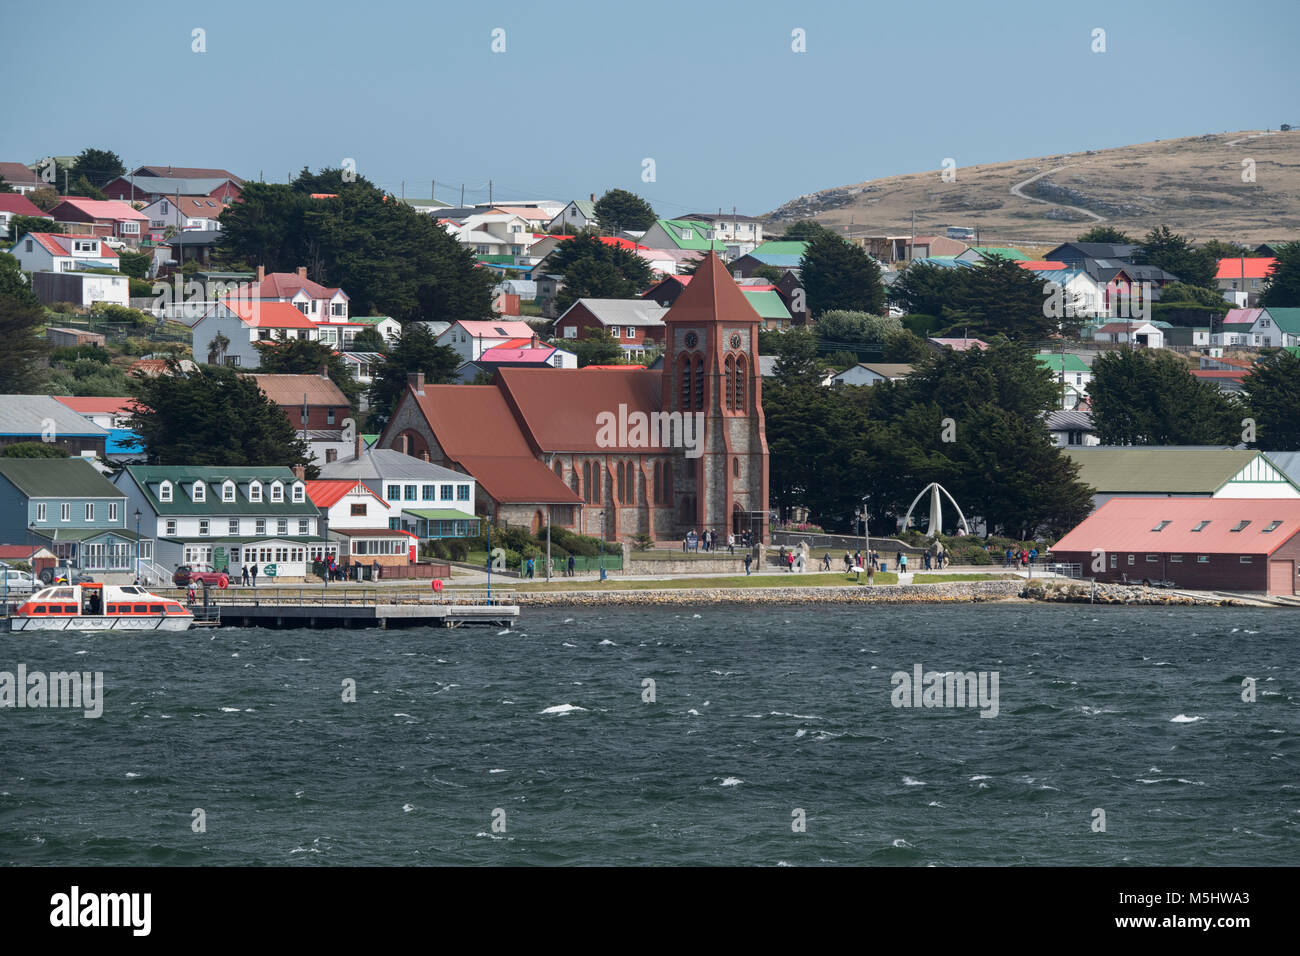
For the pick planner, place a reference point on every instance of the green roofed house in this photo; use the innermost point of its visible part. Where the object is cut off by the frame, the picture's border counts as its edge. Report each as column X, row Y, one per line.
column 1158, row 471
column 779, row 254
column 687, row 234
column 982, row 253
column 227, row 517
column 767, row 303
column 1072, row 376
column 389, row 329
column 69, row 508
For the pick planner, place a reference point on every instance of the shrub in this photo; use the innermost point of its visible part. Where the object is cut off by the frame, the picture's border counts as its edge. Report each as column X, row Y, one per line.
column 457, row 550
column 642, row 542
column 70, row 354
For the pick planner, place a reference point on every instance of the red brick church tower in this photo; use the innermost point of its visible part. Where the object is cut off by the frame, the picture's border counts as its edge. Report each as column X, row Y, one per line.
column 711, row 367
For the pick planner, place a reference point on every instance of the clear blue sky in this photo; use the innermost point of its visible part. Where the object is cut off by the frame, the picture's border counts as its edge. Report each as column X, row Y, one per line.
column 584, row 91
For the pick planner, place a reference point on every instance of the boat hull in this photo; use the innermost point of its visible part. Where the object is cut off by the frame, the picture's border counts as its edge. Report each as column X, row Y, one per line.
column 102, row 623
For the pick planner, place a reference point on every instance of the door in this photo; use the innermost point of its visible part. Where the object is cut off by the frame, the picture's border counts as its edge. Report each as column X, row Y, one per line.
column 1281, row 577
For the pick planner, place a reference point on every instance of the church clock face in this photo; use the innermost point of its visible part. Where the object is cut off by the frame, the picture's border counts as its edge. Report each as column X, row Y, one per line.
column 735, row 340
column 692, row 340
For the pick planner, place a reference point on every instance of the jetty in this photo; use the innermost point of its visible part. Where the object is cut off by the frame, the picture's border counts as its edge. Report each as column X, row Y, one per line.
column 350, row 607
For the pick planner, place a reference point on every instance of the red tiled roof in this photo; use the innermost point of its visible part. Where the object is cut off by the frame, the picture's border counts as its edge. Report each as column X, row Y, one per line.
column 285, row 285
column 17, row 552
column 260, row 314
column 20, row 205
column 1125, row 524
column 97, row 406
column 15, row 173
column 327, row 492
column 293, row 390
column 1040, row 265
column 1254, row 268
column 57, row 243
column 100, row 209
column 1242, row 316
column 561, row 412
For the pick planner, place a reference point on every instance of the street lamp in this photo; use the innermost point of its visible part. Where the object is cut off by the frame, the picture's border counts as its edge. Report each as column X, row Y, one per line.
column 137, row 545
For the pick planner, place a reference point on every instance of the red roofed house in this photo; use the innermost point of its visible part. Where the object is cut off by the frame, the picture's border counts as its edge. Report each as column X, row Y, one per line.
column 323, row 306
column 60, row 252
column 616, row 451
column 1220, row 544
column 517, row 353
column 21, row 177
column 104, row 412
column 471, row 339
column 360, row 523
column 242, row 322
column 16, row 204
column 316, row 409
column 100, row 217
column 184, row 212
column 1242, row 279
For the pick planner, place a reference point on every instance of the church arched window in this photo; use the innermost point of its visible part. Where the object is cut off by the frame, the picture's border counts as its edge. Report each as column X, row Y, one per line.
column 730, row 390
column 741, row 378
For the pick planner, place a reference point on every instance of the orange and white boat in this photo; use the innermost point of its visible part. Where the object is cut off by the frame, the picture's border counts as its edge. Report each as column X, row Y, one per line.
column 99, row 607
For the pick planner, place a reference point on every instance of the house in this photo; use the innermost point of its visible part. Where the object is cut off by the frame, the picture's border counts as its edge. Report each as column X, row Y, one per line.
column 1183, row 336
column 1237, row 328
column 183, row 212
column 362, row 527
column 490, row 234
column 242, row 323
column 470, row 339
column 1072, row 375
column 1219, row 544
column 871, row 373
column 576, row 214
column 636, row 323
column 1075, row 253
column 782, row 255
column 34, row 556
column 21, row 177
column 67, row 507
column 320, row 304
column 769, row 305
column 226, row 517
column 105, row 218
column 74, row 338
column 1140, row 334
column 536, row 218
column 62, row 252
column 923, row 247
column 740, row 233
column 1080, row 293
column 958, row 345
column 1154, row 471
column 1275, row 327
column 388, row 328
column 518, row 353
column 81, row 288
column 686, row 234
column 978, row 254
column 666, row 290
column 1242, row 279
column 422, row 498
column 39, row 418
column 16, row 204
column 1126, row 288
column 364, row 366
column 148, row 184
column 1071, row 427
column 104, row 412
column 189, row 245
column 315, row 408
column 544, row 446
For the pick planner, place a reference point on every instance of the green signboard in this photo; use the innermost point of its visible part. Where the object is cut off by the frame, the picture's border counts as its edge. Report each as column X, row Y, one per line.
column 220, row 559
column 269, row 570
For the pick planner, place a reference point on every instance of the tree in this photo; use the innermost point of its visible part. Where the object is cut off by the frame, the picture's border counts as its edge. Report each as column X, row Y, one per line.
column 4, row 186
column 596, row 269
column 1272, row 396
column 217, row 349
column 22, row 360
column 134, row 264
column 1282, row 290
column 305, row 357
column 44, row 198
column 1106, row 234
column 797, row 361
column 33, row 449
column 771, row 273
column 1142, row 397
column 1227, row 250
column 837, row 275
column 369, row 340
column 418, row 351
column 98, row 167
column 619, row 209
column 1173, row 253
column 14, row 284
column 83, row 188
column 805, row 230
column 212, row 416
column 924, row 288
column 331, row 180
column 1182, row 292
column 19, row 226
column 597, row 347
column 1000, row 298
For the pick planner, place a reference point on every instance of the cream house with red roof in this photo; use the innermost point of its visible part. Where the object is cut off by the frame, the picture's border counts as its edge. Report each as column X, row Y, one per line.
column 102, row 217
column 1242, row 279
column 62, row 252
column 244, row 322
column 16, row 204
column 184, row 212
column 470, row 339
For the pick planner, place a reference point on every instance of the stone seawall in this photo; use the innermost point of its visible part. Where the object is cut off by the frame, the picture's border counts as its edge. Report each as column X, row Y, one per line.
column 1084, row 593
column 977, row 591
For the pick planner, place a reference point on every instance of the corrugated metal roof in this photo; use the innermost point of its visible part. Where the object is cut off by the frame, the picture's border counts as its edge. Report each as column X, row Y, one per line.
column 1130, row 525
column 326, row 492
column 621, row 311
column 381, row 464
column 767, row 304
column 1158, row 470
column 1250, row 268
column 295, row 389
column 57, row 478
column 27, row 415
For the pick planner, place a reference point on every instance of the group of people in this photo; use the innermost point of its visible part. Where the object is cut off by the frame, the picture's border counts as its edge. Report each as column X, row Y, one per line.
column 1012, row 558
column 708, row 541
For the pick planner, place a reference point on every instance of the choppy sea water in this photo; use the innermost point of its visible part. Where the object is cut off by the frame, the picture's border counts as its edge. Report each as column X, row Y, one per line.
column 537, row 746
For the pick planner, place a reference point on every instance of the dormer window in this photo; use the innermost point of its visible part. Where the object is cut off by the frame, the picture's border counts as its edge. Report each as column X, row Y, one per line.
column 255, row 491
column 228, row 491
column 688, row 233
column 1240, row 526
column 165, row 491
column 1272, row 526
column 1201, row 526
column 298, row 492
column 1161, row 526
column 277, row 492
column 199, row 492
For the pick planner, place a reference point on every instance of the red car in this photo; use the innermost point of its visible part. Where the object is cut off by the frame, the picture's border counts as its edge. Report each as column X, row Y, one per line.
column 188, row 574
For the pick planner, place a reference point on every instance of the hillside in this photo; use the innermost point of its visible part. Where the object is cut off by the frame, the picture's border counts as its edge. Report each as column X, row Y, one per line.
column 1193, row 185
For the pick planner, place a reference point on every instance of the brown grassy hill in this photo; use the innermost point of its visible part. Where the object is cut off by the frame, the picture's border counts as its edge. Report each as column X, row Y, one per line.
column 1193, row 185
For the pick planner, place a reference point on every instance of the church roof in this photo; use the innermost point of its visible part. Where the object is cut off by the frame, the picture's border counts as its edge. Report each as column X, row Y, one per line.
column 712, row 296
column 559, row 407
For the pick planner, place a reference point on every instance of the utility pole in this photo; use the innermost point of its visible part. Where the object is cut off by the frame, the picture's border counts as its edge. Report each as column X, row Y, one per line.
column 403, row 190
column 462, row 195
column 489, row 192
column 549, row 464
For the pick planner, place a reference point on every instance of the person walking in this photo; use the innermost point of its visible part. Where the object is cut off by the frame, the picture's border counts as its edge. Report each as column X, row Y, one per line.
column 826, row 561
column 572, row 565
column 1033, row 555
column 244, row 576
column 530, row 568
column 902, row 563
column 254, row 574
column 848, row 563
column 749, row 560
column 789, row 559
column 731, row 544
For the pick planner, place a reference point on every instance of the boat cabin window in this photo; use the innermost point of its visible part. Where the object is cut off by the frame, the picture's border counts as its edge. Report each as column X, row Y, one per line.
column 69, row 609
column 40, row 609
column 142, row 609
column 62, row 593
column 155, row 608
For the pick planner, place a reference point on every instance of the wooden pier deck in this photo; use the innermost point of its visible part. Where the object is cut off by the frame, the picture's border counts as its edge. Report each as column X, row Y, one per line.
column 348, row 607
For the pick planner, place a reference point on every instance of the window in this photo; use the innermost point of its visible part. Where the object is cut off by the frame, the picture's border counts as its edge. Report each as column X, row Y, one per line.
column 1239, row 526
column 1132, row 558
column 688, row 233
column 329, row 416
column 1114, row 561
column 40, row 511
column 462, row 492
column 277, row 492
column 1272, row 526
column 1201, row 526
column 447, row 491
column 1175, row 559
column 359, row 511
column 331, row 454
column 394, row 493
column 1152, row 558
column 282, row 526
column 165, row 491
column 260, row 526
column 254, row 491
column 200, row 491
column 1245, row 559
column 298, row 493
column 228, row 491
column 203, row 528
column 232, row 526
column 1161, row 526
column 570, row 331
column 112, row 511
column 428, row 492
column 65, row 512
column 303, row 525
column 171, row 527
column 410, row 492
column 1202, row 559
column 336, row 308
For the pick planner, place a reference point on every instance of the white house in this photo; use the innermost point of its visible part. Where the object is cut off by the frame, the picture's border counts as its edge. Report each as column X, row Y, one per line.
column 1070, row 428
column 242, row 323
column 317, row 302
column 15, row 204
column 60, row 252
column 81, row 288
column 495, row 234
column 434, row 502
column 1141, row 334
column 872, row 373
column 361, row 525
column 193, row 212
column 470, row 339
column 577, row 213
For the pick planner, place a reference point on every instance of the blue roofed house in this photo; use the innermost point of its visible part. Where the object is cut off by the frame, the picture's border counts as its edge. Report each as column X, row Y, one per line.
column 779, row 254
column 227, row 517
column 69, row 508
column 31, row 418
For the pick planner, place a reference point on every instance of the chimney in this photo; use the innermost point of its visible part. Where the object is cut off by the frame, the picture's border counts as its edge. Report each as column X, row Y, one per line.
column 356, row 448
column 536, row 343
column 406, row 444
column 302, row 272
column 416, row 381
column 261, row 274
column 300, row 472
column 324, row 371
column 593, row 197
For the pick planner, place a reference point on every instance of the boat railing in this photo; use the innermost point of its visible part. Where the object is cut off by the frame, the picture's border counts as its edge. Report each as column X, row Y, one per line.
column 339, row 597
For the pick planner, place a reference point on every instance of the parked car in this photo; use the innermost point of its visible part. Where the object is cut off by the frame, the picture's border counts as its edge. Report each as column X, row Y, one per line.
column 19, row 582
column 188, row 574
column 65, row 573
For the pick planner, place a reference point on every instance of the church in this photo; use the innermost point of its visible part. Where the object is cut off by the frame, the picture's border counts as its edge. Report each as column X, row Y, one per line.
column 611, row 451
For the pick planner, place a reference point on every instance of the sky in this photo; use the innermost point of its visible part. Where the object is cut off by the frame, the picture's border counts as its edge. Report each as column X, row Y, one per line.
column 566, row 98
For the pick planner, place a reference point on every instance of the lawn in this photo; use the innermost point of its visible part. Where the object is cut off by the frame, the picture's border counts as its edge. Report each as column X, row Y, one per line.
column 742, row 581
